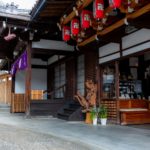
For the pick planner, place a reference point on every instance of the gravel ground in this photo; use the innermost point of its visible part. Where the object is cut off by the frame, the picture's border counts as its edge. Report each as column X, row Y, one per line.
column 12, row 138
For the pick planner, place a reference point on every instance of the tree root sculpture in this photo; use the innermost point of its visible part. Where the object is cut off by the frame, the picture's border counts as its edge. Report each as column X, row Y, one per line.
column 91, row 95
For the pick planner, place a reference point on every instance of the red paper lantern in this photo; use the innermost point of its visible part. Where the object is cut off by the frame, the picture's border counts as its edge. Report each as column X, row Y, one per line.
column 98, row 9
column 75, row 27
column 114, row 3
column 66, row 33
column 85, row 19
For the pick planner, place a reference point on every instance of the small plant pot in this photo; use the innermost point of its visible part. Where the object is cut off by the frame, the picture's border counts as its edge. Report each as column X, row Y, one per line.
column 95, row 121
column 88, row 119
column 103, row 121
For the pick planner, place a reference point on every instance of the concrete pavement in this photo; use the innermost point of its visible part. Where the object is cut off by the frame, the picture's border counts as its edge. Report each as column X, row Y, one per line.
column 78, row 134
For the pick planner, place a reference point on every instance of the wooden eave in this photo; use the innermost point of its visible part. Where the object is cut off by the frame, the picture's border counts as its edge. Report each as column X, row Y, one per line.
column 118, row 24
column 80, row 6
column 139, row 9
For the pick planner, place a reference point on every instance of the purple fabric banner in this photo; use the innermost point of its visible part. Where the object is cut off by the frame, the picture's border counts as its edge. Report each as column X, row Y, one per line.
column 23, row 61
column 13, row 69
column 19, row 64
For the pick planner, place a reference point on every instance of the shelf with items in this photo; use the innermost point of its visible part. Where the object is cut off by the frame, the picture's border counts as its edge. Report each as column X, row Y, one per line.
column 131, row 89
column 108, row 82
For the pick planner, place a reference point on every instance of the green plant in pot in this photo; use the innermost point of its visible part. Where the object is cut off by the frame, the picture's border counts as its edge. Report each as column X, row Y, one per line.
column 94, row 114
column 103, row 114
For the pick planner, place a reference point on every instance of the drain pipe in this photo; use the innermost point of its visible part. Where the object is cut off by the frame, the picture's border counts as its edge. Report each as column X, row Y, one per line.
column 37, row 9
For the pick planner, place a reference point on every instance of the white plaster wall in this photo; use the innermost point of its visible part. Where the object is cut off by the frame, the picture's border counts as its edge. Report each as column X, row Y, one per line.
column 20, row 82
column 108, row 49
column 52, row 45
column 38, row 81
column 109, row 58
column 135, row 38
column 36, row 61
column 52, row 59
column 136, row 49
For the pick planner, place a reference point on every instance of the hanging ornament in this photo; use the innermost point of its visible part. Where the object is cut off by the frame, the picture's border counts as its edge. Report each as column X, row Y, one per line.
column 114, row 3
column 66, row 33
column 10, row 36
column 85, row 19
column 98, row 9
column 75, row 27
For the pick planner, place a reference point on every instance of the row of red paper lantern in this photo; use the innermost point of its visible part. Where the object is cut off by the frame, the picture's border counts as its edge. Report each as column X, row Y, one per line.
column 98, row 13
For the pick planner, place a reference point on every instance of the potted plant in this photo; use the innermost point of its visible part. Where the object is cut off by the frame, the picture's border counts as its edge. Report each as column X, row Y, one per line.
column 103, row 114
column 94, row 115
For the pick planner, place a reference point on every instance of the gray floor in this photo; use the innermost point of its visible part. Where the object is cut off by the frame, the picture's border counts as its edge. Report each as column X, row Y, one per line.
column 141, row 126
column 54, row 134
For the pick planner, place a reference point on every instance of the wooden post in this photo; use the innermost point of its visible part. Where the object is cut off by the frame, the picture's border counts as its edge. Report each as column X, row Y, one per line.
column 98, row 84
column 117, row 79
column 28, row 81
column 117, row 89
column 101, row 70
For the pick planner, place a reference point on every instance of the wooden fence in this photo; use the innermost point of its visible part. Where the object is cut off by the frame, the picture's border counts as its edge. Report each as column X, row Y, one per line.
column 5, row 88
column 18, row 103
column 36, row 94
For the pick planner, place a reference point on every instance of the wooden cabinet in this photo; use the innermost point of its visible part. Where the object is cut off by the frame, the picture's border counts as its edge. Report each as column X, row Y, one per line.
column 134, row 111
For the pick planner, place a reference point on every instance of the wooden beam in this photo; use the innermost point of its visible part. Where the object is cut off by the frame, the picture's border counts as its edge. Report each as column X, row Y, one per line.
column 52, row 11
column 55, row 13
column 28, row 81
column 118, row 24
column 58, row 2
column 39, row 66
column 17, row 17
column 72, row 14
column 55, row 7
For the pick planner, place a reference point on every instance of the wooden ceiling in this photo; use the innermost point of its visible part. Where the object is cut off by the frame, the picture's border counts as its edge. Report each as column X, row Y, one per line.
column 52, row 10
column 55, row 8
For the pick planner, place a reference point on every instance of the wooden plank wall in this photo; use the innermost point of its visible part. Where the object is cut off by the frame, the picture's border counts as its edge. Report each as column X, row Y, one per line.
column 5, row 89
column 90, row 64
column 111, row 106
column 36, row 94
column 18, row 103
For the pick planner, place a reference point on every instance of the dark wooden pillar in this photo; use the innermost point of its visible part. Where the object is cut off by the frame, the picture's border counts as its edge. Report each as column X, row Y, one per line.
column 117, row 90
column 117, row 79
column 98, row 79
column 13, row 84
column 101, row 70
column 28, row 80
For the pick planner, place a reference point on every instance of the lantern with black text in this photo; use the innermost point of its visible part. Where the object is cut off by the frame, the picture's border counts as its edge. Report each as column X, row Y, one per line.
column 66, row 33
column 114, row 3
column 75, row 27
column 85, row 19
column 98, row 9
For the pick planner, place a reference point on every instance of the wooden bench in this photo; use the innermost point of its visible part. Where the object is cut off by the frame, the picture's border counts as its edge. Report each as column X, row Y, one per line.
column 134, row 112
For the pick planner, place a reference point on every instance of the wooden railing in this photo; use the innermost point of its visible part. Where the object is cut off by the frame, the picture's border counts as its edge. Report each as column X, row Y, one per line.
column 52, row 93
